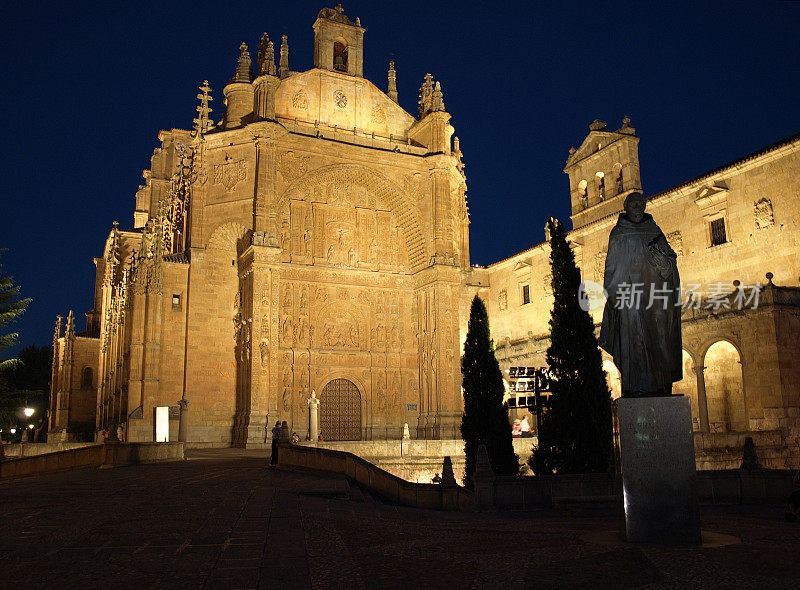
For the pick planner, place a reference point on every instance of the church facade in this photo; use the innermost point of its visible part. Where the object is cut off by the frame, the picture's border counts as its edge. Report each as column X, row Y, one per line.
column 317, row 239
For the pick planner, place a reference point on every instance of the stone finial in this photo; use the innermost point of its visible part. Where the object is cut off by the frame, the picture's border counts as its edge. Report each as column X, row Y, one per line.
column 266, row 57
column 392, row 81
column 425, row 94
column 437, row 98
column 338, row 8
column 283, row 66
column 769, row 276
column 572, row 150
column 243, row 71
column 203, row 122
column 358, row 22
column 458, row 154
column 597, row 125
column 57, row 331
column 627, row 128
column 70, row 332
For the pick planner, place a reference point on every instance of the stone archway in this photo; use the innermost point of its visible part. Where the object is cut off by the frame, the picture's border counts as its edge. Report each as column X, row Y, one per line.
column 688, row 386
column 340, row 411
column 724, row 388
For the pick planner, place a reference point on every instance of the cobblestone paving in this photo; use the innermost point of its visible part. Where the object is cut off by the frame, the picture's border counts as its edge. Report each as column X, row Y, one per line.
column 223, row 520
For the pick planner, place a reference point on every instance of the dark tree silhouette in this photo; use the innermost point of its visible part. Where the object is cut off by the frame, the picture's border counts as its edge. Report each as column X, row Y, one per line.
column 485, row 419
column 576, row 430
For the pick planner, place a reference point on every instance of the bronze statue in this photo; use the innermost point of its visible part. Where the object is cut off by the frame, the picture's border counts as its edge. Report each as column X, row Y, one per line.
column 641, row 326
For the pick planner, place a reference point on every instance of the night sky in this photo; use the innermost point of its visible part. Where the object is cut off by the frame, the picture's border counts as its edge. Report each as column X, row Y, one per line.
column 87, row 87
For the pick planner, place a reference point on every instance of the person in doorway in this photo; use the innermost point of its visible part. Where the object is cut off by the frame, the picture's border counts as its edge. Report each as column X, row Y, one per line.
column 516, row 429
column 276, row 435
column 525, row 427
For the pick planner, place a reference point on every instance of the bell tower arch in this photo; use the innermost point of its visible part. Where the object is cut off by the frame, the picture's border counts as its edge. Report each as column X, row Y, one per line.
column 602, row 172
column 338, row 42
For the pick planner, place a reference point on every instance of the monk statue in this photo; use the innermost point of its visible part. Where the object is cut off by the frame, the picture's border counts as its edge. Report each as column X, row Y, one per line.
column 641, row 326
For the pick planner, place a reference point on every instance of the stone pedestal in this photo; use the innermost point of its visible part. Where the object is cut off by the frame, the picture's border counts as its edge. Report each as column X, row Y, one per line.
column 659, row 476
column 313, row 417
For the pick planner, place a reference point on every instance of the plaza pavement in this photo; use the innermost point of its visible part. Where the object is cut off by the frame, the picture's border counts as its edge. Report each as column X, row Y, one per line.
column 223, row 520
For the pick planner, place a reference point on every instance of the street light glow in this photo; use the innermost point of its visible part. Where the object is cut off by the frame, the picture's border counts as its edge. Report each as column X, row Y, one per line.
column 28, row 412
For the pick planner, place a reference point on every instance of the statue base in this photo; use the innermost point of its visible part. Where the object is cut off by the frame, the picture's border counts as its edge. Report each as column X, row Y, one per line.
column 659, row 474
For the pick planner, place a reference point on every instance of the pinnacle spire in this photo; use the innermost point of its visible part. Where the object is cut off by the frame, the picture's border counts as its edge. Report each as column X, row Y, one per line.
column 425, row 92
column 203, row 122
column 283, row 66
column 266, row 56
column 70, row 332
column 392, row 81
column 57, row 331
column 243, row 71
column 437, row 98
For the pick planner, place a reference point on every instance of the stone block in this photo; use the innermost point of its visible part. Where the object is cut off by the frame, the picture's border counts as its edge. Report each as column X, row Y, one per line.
column 658, row 470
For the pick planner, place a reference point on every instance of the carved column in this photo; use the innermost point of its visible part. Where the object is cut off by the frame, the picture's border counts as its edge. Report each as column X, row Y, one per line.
column 702, row 402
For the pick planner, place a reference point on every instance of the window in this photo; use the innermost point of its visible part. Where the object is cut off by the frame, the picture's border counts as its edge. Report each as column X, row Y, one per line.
column 176, row 301
column 339, row 56
column 601, row 185
column 526, row 294
column 87, row 378
column 718, row 235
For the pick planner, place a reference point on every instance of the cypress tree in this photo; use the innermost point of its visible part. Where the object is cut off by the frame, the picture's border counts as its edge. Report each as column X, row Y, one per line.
column 485, row 419
column 576, row 430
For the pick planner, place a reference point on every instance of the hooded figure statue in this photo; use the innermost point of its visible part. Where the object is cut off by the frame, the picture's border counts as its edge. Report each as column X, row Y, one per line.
column 641, row 326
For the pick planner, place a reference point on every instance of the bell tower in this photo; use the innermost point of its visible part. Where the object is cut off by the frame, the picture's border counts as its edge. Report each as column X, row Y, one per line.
column 602, row 172
column 338, row 42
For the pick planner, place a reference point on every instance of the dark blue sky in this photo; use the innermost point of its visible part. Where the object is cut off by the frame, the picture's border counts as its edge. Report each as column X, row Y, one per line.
column 87, row 86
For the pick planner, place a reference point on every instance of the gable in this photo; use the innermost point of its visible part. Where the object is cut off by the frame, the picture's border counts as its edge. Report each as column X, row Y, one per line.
column 339, row 100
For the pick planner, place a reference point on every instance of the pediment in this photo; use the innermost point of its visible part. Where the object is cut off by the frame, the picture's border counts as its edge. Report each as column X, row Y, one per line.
column 522, row 266
column 591, row 143
column 338, row 100
column 712, row 195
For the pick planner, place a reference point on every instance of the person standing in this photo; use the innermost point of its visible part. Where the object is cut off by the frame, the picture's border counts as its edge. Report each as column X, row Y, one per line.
column 276, row 435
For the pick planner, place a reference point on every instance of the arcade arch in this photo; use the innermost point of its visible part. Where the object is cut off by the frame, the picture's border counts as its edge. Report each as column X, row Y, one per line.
column 727, row 408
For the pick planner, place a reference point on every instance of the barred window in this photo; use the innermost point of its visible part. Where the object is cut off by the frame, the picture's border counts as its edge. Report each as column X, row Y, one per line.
column 718, row 235
column 526, row 294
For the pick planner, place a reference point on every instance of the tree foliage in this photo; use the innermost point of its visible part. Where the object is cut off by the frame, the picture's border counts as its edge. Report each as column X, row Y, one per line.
column 11, row 308
column 576, row 430
column 485, row 419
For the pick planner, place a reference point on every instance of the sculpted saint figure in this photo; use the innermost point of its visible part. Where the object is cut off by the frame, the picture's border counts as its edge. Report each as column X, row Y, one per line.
column 641, row 326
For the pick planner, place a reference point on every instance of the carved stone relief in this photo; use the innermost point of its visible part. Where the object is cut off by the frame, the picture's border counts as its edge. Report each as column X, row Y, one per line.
column 378, row 115
column 762, row 211
column 292, row 165
column 300, row 100
column 503, row 299
column 230, row 173
column 675, row 241
column 600, row 265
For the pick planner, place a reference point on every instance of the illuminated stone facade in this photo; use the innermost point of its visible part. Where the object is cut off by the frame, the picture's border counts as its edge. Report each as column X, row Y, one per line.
column 741, row 367
column 317, row 238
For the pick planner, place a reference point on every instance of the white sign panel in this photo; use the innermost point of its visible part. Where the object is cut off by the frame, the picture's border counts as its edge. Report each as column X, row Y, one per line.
column 162, row 424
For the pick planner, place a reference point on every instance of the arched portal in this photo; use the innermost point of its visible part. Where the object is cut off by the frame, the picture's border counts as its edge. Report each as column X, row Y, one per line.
column 340, row 411
column 688, row 387
column 612, row 379
column 724, row 388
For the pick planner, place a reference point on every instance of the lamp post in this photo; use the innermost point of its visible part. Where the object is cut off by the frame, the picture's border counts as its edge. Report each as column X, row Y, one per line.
column 28, row 413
